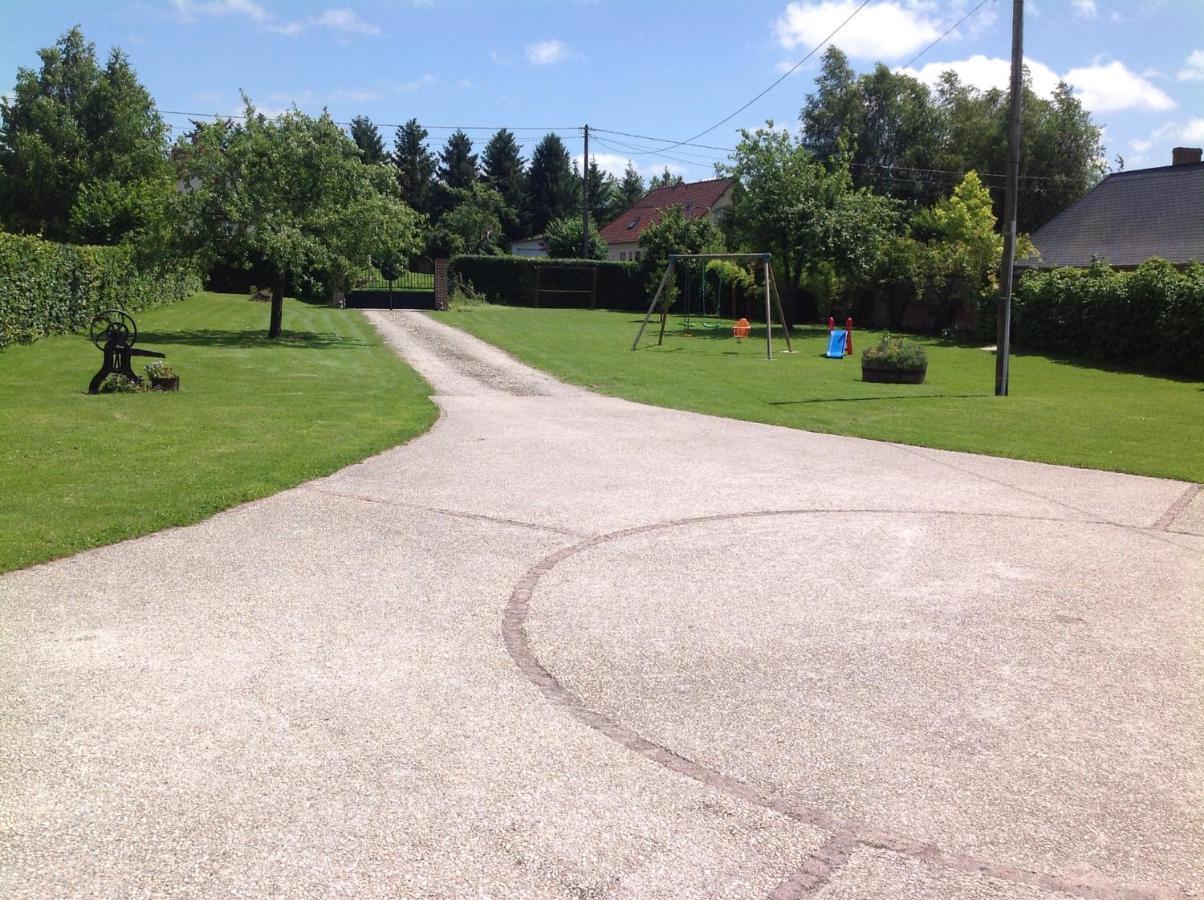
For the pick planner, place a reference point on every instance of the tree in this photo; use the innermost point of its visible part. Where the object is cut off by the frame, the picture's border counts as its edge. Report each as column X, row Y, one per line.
column 457, row 163
column 805, row 213
column 664, row 179
column 551, row 185
column 367, row 137
column 630, row 189
column 415, row 167
column 674, row 233
column 502, row 169
column 601, row 194
column 564, row 239
column 82, row 149
column 472, row 224
column 290, row 194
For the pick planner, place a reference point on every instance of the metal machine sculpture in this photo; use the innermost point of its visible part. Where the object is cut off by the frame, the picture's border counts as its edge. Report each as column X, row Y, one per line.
column 114, row 333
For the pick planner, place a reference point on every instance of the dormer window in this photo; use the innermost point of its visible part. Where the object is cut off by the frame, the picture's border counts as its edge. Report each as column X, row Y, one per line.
column 634, row 222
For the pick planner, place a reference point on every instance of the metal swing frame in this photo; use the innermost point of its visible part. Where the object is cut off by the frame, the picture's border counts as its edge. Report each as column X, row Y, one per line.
column 772, row 298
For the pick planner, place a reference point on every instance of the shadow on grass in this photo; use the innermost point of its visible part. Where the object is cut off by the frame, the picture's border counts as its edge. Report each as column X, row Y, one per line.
column 895, row 397
column 248, row 340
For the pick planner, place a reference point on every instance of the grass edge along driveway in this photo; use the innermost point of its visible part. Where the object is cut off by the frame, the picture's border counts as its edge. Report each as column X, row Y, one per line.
column 253, row 417
column 1059, row 411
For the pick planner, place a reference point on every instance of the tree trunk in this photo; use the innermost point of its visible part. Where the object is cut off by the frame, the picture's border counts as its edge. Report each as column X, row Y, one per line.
column 277, row 306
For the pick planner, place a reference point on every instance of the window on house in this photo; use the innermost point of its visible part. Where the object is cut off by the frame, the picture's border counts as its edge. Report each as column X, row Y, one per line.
column 622, row 255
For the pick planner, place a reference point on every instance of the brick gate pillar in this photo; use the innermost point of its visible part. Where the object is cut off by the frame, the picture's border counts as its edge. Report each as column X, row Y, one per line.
column 442, row 289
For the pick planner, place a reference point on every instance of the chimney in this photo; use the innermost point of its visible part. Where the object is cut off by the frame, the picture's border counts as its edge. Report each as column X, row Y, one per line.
column 1185, row 156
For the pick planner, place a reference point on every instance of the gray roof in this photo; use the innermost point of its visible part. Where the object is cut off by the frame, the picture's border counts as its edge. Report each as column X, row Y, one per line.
column 1127, row 218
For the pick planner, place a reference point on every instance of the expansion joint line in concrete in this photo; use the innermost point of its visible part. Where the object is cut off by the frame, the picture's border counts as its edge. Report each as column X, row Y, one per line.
column 1167, row 519
column 846, row 836
column 451, row 513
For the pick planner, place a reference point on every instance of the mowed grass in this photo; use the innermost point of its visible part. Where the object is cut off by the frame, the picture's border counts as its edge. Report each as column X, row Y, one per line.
column 1059, row 411
column 252, row 417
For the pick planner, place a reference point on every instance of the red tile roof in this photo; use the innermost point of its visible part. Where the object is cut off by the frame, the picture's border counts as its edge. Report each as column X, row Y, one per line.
column 696, row 198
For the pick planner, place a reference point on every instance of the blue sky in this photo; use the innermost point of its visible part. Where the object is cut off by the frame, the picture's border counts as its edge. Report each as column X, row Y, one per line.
column 661, row 68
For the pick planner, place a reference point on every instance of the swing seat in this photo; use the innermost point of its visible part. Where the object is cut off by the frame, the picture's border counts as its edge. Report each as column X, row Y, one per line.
column 740, row 329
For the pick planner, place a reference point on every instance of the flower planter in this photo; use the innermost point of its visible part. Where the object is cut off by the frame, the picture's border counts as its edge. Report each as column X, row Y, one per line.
column 171, row 383
column 888, row 375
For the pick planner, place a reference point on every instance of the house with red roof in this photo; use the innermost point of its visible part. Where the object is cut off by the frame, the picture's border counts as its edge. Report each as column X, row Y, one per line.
column 698, row 199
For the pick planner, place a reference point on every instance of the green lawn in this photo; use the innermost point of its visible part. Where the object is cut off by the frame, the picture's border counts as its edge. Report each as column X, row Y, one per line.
column 252, row 417
column 1059, row 411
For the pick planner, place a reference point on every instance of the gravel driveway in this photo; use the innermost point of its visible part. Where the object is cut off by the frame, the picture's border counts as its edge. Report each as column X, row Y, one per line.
column 564, row 645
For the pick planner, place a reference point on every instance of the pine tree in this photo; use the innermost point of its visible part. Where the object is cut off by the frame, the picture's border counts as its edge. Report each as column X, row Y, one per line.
column 551, row 184
column 601, row 194
column 630, row 189
column 367, row 137
column 503, row 170
column 457, row 162
column 665, row 179
column 415, row 166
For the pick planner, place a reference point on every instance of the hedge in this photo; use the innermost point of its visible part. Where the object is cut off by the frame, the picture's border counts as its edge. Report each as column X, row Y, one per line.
column 511, row 281
column 1151, row 317
column 48, row 288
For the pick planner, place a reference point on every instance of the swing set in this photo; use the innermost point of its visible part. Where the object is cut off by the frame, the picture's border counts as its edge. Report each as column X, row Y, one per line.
column 695, row 297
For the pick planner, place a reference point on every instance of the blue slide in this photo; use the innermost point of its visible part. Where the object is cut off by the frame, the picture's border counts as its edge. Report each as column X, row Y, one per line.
column 836, row 344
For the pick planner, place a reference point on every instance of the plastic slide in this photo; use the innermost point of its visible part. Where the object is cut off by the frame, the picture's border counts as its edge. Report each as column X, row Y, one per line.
column 836, row 344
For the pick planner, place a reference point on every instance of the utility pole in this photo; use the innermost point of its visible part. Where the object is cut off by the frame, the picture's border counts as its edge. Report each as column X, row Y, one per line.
column 585, row 199
column 1003, row 321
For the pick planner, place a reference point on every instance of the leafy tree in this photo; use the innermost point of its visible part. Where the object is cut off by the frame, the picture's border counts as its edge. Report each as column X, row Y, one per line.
column 630, row 190
column 664, row 179
column 82, row 150
column 564, row 239
column 551, row 186
column 805, row 213
column 290, row 194
column 415, row 167
column 833, row 114
column 367, row 137
column 503, row 169
column 473, row 224
column 674, row 233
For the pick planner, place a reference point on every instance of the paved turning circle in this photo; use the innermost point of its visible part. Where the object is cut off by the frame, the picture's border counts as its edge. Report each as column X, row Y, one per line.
column 522, row 657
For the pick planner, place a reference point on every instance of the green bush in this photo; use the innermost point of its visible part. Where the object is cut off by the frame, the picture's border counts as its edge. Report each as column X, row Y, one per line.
column 1151, row 317
column 511, row 281
column 894, row 352
column 48, row 288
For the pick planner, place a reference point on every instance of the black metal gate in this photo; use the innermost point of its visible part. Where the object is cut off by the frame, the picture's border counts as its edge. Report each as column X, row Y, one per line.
column 389, row 287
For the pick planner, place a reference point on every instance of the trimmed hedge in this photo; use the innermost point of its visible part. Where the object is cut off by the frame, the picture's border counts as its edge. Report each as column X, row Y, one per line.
column 1151, row 317
column 511, row 281
column 48, row 288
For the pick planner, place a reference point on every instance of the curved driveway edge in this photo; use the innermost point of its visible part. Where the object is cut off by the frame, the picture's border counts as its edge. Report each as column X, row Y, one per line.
column 314, row 693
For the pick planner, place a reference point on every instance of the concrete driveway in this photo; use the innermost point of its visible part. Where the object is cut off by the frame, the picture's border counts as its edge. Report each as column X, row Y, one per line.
column 568, row 646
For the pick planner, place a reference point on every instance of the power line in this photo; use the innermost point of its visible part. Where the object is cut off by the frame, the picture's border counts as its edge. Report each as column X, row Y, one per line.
column 787, row 74
column 644, row 137
column 549, row 128
column 947, row 33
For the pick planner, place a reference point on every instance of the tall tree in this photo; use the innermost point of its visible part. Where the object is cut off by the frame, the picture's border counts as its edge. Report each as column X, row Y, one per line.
column 630, row 189
column 83, row 153
column 502, row 168
column 289, row 194
column 415, row 167
column 601, row 194
column 551, row 185
column 833, row 113
column 664, row 179
column 367, row 137
column 457, row 162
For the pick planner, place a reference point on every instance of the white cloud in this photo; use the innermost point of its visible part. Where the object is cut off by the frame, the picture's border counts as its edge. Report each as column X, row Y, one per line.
column 345, row 20
column 1085, row 8
column 883, row 30
column 1102, row 87
column 986, row 72
column 1194, row 70
column 616, row 164
column 288, row 29
column 416, row 84
column 1112, row 86
column 543, row 53
column 190, row 10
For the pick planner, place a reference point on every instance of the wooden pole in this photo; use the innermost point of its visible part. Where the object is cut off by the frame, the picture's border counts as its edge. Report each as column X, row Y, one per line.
column 1003, row 320
column 651, row 306
column 777, row 299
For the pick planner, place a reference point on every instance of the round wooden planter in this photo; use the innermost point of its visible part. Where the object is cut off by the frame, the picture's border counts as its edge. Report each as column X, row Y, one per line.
column 166, row 384
column 883, row 375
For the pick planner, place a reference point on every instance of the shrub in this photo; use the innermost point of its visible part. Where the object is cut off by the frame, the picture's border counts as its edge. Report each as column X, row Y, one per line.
column 119, row 384
column 512, row 280
column 1150, row 318
column 893, row 352
column 48, row 288
column 159, row 369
